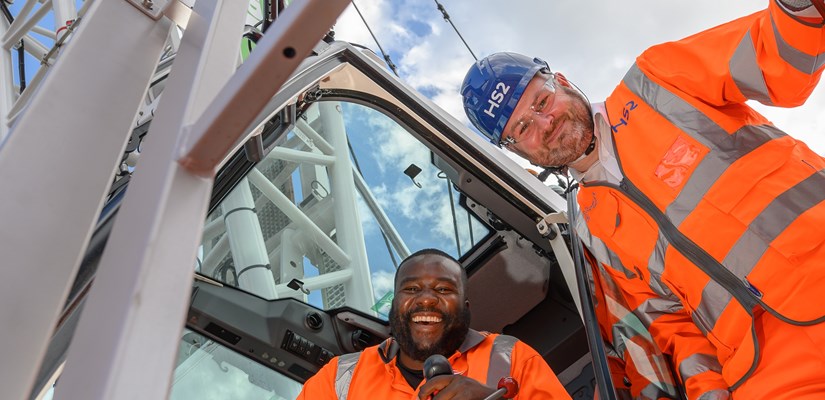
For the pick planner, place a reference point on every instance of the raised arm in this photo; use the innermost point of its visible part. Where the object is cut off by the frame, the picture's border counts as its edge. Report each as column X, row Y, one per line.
column 774, row 56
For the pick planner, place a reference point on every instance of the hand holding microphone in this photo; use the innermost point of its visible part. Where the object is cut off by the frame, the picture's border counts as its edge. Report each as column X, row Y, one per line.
column 436, row 365
column 442, row 382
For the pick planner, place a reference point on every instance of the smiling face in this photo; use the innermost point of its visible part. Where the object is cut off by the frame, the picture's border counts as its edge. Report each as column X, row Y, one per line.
column 430, row 313
column 551, row 124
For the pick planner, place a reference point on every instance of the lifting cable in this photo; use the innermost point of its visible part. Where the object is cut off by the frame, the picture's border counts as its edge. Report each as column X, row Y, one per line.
column 386, row 56
column 447, row 18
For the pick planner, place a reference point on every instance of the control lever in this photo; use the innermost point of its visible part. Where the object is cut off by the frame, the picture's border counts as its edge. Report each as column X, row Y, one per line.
column 507, row 389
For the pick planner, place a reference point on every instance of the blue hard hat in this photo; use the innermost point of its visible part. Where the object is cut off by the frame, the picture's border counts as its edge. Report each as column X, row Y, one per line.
column 493, row 87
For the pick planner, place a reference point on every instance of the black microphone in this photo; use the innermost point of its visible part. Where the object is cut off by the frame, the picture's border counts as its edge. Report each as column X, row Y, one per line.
column 436, row 365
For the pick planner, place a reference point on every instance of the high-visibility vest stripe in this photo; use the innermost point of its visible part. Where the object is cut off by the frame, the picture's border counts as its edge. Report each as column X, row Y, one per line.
column 746, row 73
column 799, row 60
column 724, row 148
column 500, row 359
column 656, row 267
column 697, row 364
column 717, row 394
column 343, row 377
column 753, row 243
column 499, row 367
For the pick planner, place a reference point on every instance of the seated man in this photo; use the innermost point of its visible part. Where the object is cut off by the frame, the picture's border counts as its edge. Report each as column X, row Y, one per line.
column 431, row 315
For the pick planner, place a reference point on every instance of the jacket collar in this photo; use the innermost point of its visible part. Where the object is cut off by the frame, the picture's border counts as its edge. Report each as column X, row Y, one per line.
column 390, row 348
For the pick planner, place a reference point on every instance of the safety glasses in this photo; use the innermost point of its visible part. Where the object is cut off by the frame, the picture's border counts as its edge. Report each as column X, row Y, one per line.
column 542, row 101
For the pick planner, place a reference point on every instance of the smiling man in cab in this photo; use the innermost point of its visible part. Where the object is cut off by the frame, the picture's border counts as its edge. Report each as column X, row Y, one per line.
column 431, row 315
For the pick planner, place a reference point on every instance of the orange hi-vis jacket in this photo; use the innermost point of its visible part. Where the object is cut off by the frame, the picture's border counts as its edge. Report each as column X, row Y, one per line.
column 638, row 368
column 373, row 374
column 631, row 318
column 718, row 209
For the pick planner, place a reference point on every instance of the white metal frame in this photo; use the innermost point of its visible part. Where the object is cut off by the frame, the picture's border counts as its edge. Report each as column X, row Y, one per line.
column 55, row 171
column 126, row 339
column 141, row 290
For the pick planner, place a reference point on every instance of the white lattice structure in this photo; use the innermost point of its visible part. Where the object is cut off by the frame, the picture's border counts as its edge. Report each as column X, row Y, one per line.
column 62, row 139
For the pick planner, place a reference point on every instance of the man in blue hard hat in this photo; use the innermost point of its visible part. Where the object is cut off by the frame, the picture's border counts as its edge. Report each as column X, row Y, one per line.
column 492, row 90
column 703, row 213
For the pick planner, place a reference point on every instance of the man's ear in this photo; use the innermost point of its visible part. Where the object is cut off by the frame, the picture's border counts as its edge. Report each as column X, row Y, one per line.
column 561, row 79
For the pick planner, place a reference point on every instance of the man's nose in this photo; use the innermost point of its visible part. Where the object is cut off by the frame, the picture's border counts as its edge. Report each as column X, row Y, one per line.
column 427, row 297
column 543, row 120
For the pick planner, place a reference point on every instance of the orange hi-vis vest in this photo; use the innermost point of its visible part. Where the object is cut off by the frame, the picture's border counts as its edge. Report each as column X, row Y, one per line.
column 718, row 208
column 373, row 373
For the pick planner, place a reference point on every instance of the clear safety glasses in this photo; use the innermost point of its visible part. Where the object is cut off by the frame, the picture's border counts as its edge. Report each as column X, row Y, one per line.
column 542, row 101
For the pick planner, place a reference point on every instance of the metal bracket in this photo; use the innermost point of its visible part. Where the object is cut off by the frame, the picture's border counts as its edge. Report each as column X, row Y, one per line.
column 297, row 285
column 176, row 11
column 543, row 225
column 152, row 8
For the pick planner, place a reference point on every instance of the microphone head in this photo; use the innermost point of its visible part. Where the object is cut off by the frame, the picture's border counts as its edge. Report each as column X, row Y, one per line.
column 510, row 384
column 436, row 365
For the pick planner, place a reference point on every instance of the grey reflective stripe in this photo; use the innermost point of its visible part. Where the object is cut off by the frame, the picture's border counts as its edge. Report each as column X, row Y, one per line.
column 716, row 394
column 746, row 72
column 653, row 391
column 761, row 232
column 714, row 300
column 697, row 364
column 500, row 359
column 343, row 378
column 655, row 307
column 724, row 151
column 797, row 59
column 772, row 221
column 656, row 267
column 724, row 148
column 599, row 250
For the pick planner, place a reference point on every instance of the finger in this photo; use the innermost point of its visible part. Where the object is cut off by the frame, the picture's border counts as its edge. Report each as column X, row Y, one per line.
column 434, row 385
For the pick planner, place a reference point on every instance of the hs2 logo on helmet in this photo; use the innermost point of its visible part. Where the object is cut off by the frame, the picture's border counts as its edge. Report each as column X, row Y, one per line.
column 496, row 97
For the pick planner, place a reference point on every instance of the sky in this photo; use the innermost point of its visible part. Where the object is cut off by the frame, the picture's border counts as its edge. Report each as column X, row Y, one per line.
column 593, row 44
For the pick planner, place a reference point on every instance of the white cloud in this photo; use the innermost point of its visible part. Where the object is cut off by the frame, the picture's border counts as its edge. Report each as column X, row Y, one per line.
column 382, row 283
column 594, row 43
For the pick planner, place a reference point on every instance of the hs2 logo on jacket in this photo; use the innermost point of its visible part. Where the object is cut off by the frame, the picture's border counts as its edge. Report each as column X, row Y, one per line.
column 628, row 107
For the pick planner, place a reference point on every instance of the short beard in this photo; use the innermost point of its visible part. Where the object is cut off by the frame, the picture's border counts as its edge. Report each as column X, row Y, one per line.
column 575, row 141
column 455, row 331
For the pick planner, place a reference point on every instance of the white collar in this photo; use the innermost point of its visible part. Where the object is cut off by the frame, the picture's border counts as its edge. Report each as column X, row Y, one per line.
column 606, row 168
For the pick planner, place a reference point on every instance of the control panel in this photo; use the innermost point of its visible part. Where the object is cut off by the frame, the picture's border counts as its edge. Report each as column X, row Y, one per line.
column 304, row 348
